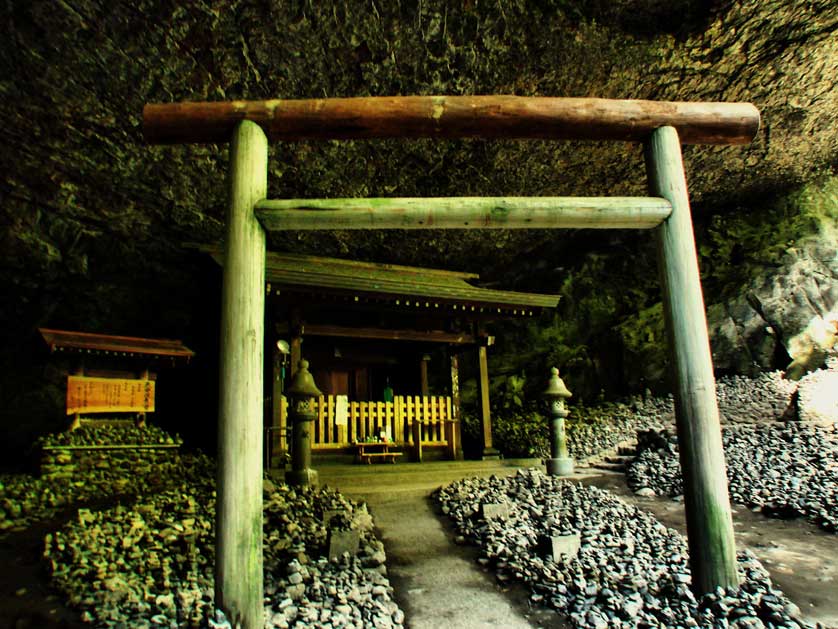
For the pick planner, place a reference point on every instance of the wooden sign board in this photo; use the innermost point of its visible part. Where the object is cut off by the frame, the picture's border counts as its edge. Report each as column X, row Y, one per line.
column 109, row 395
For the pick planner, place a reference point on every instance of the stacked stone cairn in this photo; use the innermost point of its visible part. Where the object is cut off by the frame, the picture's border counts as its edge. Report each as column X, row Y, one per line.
column 628, row 570
column 137, row 547
column 107, row 455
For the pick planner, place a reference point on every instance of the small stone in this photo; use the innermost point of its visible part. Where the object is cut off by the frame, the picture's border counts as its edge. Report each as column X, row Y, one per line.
column 296, row 591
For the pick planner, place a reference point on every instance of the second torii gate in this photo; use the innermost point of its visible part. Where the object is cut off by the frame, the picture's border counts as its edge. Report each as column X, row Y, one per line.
column 660, row 126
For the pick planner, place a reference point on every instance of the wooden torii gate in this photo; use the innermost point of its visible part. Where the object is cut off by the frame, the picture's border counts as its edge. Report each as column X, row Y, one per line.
column 660, row 126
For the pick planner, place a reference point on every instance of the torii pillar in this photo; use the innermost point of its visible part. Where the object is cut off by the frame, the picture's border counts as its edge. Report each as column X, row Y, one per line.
column 239, row 587
column 706, row 500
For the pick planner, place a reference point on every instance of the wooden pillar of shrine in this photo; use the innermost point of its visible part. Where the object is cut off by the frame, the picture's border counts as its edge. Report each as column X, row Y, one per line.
column 424, row 388
column 489, row 451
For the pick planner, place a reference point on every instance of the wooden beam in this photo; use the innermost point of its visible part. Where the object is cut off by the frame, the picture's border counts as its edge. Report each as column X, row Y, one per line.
column 238, row 564
column 463, row 212
column 429, row 336
column 536, row 117
column 706, row 501
column 87, row 342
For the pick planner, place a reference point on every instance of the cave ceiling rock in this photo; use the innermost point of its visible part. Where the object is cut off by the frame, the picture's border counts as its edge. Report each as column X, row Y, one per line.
column 86, row 203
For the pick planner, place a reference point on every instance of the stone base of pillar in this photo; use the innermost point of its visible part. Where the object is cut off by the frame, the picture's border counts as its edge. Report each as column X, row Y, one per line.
column 490, row 454
column 302, row 478
column 560, row 467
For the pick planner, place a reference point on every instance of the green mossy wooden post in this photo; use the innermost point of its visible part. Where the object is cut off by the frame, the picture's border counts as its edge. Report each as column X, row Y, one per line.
column 709, row 522
column 238, row 564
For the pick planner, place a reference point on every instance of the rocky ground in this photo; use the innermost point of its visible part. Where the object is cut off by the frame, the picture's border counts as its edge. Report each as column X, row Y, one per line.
column 630, row 570
column 780, row 438
column 160, row 572
column 26, row 499
column 139, row 551
column 742, row 400
column 784, row 470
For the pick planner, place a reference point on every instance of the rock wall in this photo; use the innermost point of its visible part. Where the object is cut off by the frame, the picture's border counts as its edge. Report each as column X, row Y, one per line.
column 781, row 309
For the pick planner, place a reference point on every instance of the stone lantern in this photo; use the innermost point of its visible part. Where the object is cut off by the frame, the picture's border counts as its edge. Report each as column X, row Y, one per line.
column 559, row 463
column 302, row 410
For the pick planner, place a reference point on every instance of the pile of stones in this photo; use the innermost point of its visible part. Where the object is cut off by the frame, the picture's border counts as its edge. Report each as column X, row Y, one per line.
column 602, row 429
column 784, row 470
column 626, row 569
column 594, row 430
column 591, row 431
column 26, row 499
column 121, row 434
column 150, row 564
column 79, row 466
column 767, row 397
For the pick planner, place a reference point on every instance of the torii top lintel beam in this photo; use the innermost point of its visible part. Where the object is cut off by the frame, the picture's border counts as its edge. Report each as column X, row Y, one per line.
column 523, row 117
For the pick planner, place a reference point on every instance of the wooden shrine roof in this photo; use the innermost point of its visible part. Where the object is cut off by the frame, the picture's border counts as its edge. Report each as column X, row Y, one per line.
column 399, row 284
column 109, row 345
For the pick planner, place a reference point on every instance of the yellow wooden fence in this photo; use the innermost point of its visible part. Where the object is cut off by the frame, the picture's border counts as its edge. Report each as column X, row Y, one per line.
column 432, row 416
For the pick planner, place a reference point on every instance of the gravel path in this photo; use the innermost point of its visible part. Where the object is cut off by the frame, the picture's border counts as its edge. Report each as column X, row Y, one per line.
column 437, row 583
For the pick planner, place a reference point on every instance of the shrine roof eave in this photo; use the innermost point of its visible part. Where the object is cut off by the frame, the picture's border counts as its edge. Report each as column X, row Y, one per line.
column 401, row 285
column 112, row 345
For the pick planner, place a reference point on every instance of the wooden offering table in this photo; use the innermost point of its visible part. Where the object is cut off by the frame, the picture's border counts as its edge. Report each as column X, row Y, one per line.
column 366, row 452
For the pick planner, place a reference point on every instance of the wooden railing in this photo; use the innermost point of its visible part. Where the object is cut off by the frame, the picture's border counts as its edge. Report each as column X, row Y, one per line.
column 430, row 418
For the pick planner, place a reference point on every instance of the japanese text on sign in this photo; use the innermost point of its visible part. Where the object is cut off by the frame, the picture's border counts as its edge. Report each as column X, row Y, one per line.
column 109, row 395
